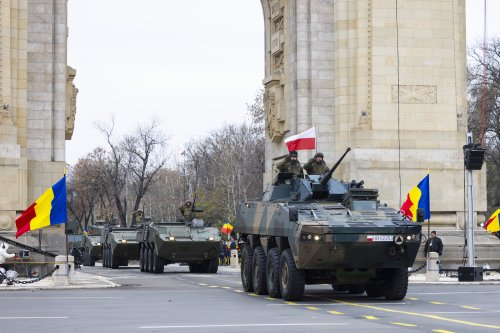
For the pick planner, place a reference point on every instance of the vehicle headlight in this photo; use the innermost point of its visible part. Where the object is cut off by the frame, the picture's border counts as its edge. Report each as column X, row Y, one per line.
column 408, row 237
column 98, row 244
column 311, row 237
column 124, row 241
column 211, row 238
column 171, row 238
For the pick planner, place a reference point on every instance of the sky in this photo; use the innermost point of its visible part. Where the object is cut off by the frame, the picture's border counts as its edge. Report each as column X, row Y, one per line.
column 194, row 65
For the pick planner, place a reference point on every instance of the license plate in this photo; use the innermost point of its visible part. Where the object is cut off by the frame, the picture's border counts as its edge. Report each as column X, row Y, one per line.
column 380, row 238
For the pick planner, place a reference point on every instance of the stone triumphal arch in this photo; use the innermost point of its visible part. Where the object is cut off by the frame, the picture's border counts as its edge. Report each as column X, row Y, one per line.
column 386, row 78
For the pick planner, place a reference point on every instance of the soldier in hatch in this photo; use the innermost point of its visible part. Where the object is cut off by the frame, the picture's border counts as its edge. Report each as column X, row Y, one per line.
column 316, row 165
column 291, row 164
column 187, row 211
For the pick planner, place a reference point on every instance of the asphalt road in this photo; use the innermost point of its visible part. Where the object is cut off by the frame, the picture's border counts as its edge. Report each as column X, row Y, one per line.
column 177, row 301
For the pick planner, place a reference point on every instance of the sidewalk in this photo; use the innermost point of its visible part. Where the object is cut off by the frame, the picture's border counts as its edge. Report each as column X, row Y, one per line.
column 491, row 278
column 79, row 281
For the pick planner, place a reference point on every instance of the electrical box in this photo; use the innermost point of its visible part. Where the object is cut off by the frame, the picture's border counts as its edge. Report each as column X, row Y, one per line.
column 470, row 274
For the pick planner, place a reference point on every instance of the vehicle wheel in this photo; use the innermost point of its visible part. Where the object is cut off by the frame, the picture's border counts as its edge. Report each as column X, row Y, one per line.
column 91, row 260
column 213, row 265
column 105, row 257
column 273, row 273
column 374, row 290
column 356, row 289
column 246, row 268
column 292, row 279
column 158, row 264
column 149, row 265
column 141, row 258
column 397, row 285
column 259, row 271
column 115, row 261
column 194, row 268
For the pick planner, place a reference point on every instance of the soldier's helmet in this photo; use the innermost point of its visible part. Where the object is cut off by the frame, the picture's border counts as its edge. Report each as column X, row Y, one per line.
column 293, row 153
column 319, row 155
column 188, row 203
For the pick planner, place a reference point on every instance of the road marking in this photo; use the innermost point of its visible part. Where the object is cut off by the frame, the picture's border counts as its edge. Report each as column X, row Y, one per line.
column 290, row 303
column 371, row 317
column 252, row 294
column 442, row 331
column 470, row 307
column 203, row 284
column 1, row 318
column 226, row 287
column 312, row 308
column 403, row 324
column 246, row 325
column 213, row 287
column 469, row 323
column 437, row 303
column 271, row 299
column 335, row 312
column 238, row 291
column 412, row 298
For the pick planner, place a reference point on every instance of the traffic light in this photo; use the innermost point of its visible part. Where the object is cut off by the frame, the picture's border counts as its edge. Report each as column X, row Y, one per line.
column 473, row 156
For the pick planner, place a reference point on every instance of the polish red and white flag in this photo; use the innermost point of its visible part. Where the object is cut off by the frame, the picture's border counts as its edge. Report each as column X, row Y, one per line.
column 302, row 141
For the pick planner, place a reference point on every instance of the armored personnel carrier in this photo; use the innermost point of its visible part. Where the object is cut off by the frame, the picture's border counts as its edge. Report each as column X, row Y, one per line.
column 119, row 245
column 91, row 247
column 322, row 230
column 187, row 241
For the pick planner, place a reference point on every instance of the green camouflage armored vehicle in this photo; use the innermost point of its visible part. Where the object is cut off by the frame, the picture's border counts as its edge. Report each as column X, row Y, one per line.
column 119, row 245
column 188, row 241
column 91, row 247
column 320, row 230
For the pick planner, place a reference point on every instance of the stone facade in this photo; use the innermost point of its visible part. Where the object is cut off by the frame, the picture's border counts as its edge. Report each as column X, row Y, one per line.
column 388, row 82
column 37, row 113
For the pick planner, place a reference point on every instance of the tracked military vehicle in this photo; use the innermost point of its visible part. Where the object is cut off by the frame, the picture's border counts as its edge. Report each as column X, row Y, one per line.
column 189, row 241
column 91, row 247
column 322, row 230
column 119, row 245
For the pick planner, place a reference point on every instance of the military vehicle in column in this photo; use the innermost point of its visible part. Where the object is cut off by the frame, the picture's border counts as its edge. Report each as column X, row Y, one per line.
column 91, row 247
column 119, row 245
column 188, row 241
column 318, row 230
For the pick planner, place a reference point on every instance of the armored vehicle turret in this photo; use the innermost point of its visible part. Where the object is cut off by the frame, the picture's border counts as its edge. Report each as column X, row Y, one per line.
column 91, row 246
column 321, row 230
column 188, row 241
column 119, row 245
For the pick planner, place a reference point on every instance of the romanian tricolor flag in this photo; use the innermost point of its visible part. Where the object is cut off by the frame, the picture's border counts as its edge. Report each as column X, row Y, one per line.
column 226, row 228
column 493, row 224
column 418, row 197
column 49, row 209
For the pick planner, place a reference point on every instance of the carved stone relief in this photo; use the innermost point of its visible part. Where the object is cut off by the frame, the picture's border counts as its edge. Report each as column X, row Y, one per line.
column 71, row 92
column 277, row 35
column 273, row 109
column 414, row 94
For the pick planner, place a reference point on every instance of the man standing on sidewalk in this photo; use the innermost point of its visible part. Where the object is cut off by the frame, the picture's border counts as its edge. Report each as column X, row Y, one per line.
column 433, row 244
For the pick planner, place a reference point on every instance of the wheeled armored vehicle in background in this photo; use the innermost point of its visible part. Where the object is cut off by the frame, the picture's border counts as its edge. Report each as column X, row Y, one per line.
column 91, row 244
column 321, row 230
column 189, row 241
column 119, row 245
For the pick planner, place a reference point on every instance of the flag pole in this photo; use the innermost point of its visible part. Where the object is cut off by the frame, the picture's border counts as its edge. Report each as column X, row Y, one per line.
column 315, row 140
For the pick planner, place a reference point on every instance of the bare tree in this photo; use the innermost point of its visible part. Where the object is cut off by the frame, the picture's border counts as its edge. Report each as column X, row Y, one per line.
column 484, row 111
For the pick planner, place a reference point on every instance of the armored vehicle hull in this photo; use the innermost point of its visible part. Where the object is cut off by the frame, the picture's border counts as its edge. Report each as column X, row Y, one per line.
column 119, row 245
column 92, row 249
column 321, row 230
column 191, row 243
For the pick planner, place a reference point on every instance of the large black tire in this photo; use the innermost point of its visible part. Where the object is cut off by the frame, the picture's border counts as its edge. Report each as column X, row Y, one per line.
column 259, row 271
column 158, row 264
column 213, row 265
column 397, row 284
column 292, row 279
column 115, row 261
column 246, row 268
column 84, row 258
column 194, row 268
column 141, row 258
column 273, row 273
column 104, row 257
column 150, row 260
column 374, row 290
column 91, row 260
